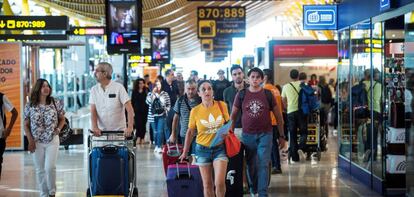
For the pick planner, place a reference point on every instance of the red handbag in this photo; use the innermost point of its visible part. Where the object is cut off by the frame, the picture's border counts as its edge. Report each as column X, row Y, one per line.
column 231, row 142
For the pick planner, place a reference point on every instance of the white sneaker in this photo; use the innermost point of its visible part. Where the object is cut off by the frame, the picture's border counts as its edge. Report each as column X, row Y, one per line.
column 155, row 149
column 302, row 156
column 159, row 150
column 335, row 132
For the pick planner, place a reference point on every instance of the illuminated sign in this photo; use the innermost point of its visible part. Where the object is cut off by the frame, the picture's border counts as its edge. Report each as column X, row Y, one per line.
column 221, row 22
column 34, row 22
column 123, row 26
column 36, row 37
column 385, row 5
column 87, row 31
column 319, row 17
column 217, row 44
column 160, row 45
column 139, row 59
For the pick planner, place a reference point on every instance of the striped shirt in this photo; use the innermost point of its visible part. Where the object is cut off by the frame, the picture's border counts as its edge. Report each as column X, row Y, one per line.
column 165, row 101
column 183, row 110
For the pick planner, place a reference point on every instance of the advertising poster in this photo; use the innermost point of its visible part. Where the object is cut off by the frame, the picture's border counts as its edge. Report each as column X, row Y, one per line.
column 160, row 45
column 11, row 86
column 124, row 22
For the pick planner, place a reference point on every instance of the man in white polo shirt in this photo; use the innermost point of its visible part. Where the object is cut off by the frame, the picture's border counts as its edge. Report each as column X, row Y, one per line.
column 108, row 102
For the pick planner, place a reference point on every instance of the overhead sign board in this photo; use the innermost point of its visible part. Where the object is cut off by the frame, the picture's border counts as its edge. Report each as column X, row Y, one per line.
column 319, row 17
column 87, row 31
column 35, row 37
column 216, row 44
column 34, row 23
column 221, row 22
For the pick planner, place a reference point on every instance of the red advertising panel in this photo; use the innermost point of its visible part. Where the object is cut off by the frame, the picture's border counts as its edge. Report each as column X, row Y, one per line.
column 310, row 50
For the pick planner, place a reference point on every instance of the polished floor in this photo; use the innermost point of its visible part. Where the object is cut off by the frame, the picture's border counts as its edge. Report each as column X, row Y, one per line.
column 311, row 178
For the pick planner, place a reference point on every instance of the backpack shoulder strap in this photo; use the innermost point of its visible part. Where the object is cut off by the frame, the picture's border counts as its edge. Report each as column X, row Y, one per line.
column 296, row 90
column 180, row 102
column 242, row 93
column 269, row 98
column 2, row 115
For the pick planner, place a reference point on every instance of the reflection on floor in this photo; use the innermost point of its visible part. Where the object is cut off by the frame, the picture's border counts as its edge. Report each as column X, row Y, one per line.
column 310, row 178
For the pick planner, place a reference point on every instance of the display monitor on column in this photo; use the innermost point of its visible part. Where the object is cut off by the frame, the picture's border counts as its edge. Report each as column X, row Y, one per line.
column 160, row 45
column 123, row 26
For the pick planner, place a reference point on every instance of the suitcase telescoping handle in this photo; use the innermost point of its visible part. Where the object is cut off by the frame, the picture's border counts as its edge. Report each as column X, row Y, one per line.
column 188, row 168
column 168, row 146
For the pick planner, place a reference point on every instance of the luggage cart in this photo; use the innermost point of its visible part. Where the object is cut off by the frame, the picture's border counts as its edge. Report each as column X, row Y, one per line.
column 315, row 135
column 114, row 149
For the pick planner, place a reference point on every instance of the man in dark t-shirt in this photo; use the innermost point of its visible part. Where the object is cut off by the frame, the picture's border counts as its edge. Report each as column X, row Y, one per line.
column 257, row 130
column 219, row 85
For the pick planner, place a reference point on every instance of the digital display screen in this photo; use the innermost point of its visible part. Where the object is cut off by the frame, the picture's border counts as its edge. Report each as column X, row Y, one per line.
column 123, row 25
column 160, row 45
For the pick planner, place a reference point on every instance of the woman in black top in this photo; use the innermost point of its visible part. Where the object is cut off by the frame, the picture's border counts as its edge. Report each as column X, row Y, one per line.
column 139, row 94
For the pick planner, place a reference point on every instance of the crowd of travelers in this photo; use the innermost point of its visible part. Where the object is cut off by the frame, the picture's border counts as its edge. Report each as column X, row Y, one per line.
column 264, row 116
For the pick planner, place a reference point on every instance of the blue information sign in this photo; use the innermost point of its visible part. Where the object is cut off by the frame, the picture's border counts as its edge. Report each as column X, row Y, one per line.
column 385, row 5
column 319, row 17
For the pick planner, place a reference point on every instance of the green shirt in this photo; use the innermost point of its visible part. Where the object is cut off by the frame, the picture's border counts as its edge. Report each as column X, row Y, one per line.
column 376, row 97
column 291, row 95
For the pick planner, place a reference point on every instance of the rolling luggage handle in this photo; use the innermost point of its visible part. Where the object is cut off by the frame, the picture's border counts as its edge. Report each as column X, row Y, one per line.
column 169, row 150
column 178, row 170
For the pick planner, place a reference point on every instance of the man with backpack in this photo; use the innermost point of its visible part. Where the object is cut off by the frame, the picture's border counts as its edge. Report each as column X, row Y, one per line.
column 295, row 118
column 256, row 103
column 5, row 130
column 182, row 109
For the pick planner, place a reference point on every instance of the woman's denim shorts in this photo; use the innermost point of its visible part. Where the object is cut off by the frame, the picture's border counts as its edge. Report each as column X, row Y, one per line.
column 206, row 156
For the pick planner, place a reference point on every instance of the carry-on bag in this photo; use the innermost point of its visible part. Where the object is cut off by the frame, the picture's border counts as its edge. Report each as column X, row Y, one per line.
column 109, row 170
column 170, row 154
column 234, row 175
column 183, row 180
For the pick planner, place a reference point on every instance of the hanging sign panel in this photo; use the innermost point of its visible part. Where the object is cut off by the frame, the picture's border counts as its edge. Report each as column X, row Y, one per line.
column 221, row 22
column 86, row 31
column 160, row 45
column 217, row 44
column 36, row 37
column 34, row 22
column 319, row 17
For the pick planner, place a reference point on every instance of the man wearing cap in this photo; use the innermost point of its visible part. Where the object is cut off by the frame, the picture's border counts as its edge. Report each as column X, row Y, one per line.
column 194, row 76
column 219, row 85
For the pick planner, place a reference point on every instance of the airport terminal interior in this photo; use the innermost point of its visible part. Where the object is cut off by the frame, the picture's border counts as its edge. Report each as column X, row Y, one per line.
column 340, row 74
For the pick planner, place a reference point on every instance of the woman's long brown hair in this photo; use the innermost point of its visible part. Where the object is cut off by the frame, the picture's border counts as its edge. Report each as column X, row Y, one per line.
column 36, row 91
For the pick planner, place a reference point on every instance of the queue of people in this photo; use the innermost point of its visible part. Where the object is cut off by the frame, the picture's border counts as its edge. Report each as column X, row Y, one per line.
column 190, row 115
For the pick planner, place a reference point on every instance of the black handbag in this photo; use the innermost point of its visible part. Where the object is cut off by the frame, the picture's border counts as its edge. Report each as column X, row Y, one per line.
column 66, row 131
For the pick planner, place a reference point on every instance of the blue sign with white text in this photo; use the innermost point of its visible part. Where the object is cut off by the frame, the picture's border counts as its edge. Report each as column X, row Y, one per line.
column 319, row 17
column 385, row 5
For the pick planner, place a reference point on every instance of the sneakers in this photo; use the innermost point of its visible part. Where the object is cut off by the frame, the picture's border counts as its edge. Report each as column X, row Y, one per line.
column 276, row 171
column 302, row 156
column 157, row 150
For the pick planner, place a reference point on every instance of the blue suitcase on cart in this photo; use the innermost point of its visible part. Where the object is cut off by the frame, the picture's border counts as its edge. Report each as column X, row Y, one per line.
column 109, row 170
column 184, row 180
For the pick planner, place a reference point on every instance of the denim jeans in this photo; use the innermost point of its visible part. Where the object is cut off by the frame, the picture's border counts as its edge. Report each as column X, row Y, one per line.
column 258, row 149
column 2, row 148
column 44, row 159
column 160, row 131
column 296, row 120
column 275, row 149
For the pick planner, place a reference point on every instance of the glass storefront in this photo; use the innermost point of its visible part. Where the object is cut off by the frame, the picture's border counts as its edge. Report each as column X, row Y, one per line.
column 375, row 86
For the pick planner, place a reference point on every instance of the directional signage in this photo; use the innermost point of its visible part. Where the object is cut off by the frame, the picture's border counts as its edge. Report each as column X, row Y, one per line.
column 319, row 17
column 34, row 22
column 385, row 5
column 221, row 22
column 216, row 44
column 36, row 37
column 87, row 31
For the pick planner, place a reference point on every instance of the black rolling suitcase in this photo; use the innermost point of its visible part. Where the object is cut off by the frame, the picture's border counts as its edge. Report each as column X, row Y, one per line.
column 234, row 176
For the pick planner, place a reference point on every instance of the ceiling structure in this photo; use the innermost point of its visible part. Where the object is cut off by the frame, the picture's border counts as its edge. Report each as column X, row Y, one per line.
column 178, row 15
